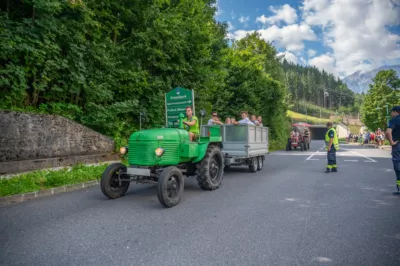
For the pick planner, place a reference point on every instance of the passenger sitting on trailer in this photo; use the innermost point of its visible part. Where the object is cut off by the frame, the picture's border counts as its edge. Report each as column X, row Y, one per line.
column 259, row 119
column 192, row 124
column 245, row 119
column 214, row 120
column 254, row 120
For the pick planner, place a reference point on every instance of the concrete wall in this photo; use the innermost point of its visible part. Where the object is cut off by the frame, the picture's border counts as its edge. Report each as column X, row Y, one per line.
column 342, row 131
column 26, row 137
column 348, row 120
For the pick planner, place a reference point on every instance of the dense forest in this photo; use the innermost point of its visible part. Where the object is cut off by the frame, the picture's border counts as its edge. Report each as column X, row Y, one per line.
column 102, row 62
column 306, row 84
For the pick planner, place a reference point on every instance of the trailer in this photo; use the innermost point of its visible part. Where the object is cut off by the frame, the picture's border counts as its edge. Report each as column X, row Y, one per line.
column 242, row 145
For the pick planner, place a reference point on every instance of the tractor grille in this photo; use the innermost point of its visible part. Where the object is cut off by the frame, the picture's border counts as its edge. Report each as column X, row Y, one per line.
column 143, row 152
column 171, row 153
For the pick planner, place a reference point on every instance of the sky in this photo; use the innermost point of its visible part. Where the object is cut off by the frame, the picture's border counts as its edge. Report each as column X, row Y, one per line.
column 340, row 36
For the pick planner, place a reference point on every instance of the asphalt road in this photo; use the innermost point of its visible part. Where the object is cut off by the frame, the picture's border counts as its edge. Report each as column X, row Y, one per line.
column 290, row 213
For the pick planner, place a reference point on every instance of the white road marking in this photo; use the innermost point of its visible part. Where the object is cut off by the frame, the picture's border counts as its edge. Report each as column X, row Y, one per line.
column 313, row 159
column 371, row 160
column 322, row 259
column 290, row 154
column 350, row 160
column 309, row 158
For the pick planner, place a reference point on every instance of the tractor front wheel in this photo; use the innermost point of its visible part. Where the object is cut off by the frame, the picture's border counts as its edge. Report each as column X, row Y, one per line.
column 170, row 187
column 110, row 184
column 210, row 170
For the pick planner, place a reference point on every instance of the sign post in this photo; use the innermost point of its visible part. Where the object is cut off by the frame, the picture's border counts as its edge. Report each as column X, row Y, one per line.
column 176, row 101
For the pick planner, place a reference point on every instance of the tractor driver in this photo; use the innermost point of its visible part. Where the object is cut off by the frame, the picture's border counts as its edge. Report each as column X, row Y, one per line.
column 192, row 122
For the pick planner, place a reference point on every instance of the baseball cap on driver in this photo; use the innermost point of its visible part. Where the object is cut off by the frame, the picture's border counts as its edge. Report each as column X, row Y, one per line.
column 395, row 108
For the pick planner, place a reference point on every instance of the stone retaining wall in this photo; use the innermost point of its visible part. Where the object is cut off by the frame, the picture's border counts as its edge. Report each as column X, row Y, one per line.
column 30, row 141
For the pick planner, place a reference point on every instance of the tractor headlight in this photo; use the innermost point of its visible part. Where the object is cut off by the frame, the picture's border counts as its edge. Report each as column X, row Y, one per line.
column 159, row 151
column 123, row 150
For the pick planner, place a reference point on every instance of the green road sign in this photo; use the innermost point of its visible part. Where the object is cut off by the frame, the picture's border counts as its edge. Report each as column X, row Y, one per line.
column 176, row 101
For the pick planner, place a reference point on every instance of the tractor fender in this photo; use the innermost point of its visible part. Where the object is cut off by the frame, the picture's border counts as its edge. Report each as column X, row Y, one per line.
column 203, row 149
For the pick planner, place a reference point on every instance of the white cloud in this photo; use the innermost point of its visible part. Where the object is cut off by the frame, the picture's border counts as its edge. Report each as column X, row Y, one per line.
column 243, row 19
column 290, row 37
column 302, row 60
column 219, row 10
column 233, row 16
column 230, row 26
column 324, row 61
column 263, row 19
column 311, row 52
column 289, row 57
column 283, row 13
column 356, row 32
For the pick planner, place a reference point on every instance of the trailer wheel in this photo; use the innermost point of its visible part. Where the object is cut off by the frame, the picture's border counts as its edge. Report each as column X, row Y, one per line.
column 253, row 165
column 170, row 187
column 210, row 171
column 260, row 163
column 109, row 183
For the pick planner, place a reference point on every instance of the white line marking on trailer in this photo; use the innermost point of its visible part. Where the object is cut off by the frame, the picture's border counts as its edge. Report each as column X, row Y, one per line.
column 370, row 160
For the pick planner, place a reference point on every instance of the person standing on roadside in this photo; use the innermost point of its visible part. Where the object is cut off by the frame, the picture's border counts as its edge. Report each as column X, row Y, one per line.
column 332, row 145
column 393, row 136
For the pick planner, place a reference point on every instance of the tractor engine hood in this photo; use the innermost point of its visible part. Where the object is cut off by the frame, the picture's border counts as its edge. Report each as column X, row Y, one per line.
column 143, row 145
column 160, row 134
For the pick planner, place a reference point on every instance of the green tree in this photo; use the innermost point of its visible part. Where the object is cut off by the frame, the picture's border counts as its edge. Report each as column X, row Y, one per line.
column 381, row 96
column 254, row 84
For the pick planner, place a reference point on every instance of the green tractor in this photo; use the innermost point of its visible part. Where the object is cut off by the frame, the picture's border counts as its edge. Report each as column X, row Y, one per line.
column 164, row 156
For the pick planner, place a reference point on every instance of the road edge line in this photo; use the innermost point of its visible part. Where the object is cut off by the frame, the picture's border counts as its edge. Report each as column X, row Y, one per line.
column 7, row 200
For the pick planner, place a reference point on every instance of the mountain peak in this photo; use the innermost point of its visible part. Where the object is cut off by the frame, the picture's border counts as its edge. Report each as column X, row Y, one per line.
column 359, row 80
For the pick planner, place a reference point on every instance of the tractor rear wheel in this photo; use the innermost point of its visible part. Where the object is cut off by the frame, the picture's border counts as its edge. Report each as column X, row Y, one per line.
column 109, row 183
column 170, row 187
column 260, row 163
column 253, row 165
column 210, row 171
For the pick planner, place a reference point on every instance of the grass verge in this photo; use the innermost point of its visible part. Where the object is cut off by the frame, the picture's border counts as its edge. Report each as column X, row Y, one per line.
column 276, row 145
column 297, row 117
column 44, row 179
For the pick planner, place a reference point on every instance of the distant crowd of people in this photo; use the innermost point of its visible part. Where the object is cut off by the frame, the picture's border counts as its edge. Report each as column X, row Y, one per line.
column 368, row 137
